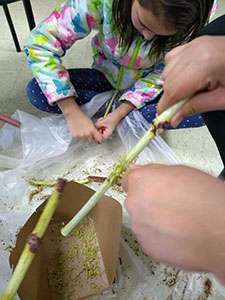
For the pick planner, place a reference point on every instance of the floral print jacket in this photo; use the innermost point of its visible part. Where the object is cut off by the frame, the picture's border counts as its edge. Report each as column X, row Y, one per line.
column 73, row 20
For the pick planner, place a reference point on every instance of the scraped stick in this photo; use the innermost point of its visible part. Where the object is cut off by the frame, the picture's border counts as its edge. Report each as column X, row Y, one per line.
column 9, row 120
column 89, row 179
column 158, row 125
column 33, row 243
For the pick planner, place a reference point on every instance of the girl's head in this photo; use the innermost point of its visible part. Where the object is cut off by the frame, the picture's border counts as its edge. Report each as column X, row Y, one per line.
column 171, row 21
column 150, row 23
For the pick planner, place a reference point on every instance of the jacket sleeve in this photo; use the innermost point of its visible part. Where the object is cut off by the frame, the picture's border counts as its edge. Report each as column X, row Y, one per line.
column 213, row 10
column 146, row 88
column 48, row 42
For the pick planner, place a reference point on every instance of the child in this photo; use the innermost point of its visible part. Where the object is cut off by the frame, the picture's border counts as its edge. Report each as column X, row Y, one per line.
column 132, row 38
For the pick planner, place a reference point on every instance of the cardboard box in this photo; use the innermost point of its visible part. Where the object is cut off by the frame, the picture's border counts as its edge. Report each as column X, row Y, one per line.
column 78, row 272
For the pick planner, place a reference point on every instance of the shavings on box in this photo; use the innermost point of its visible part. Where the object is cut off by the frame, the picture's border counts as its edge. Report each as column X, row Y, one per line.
column 75, row 264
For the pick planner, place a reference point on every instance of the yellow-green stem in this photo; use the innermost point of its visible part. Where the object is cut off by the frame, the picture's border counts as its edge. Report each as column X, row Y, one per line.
column 52, row 183
column 110, row 103
column 32, row 244
column 42, row 183
column 86, row 208
column 123, row 164
column 131, row 64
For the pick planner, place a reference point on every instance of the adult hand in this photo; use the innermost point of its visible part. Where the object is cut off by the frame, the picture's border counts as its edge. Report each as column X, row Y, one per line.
column 80, row 125
column 178, row 216
column 195, row 70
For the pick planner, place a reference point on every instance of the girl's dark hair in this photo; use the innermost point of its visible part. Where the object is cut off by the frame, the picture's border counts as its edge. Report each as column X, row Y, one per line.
column 186, row 16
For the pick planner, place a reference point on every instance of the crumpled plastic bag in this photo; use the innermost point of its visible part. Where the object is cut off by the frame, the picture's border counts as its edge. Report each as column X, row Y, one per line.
column 44, row 149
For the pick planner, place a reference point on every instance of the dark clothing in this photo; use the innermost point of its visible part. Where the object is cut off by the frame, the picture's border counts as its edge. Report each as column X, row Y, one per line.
column 215, row 120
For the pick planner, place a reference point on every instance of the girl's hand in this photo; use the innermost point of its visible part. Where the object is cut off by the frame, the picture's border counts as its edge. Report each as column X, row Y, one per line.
column 80, row 125
column 107, row 124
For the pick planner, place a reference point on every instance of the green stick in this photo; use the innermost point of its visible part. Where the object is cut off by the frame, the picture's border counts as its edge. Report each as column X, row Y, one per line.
column 110, row 103
column 33, row 243
column 52, row 183
column 42, row 183
column 157, row 127
column 89, row 179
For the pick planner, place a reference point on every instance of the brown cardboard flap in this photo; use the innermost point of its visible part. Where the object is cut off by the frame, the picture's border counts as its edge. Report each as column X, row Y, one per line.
column 107, row 217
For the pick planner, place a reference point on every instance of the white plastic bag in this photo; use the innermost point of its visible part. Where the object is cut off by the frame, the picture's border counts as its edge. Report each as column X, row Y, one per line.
column 44, row 149
column 132, row 128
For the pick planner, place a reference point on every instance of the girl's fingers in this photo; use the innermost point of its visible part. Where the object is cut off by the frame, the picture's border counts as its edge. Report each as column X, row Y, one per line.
column 97, row 136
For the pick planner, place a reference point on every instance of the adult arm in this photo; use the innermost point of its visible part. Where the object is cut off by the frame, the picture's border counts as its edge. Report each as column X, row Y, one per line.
column 178, row 216
column 196, row 71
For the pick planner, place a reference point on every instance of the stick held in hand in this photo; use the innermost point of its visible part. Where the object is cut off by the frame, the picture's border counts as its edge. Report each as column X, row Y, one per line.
column 157, row 126
column 33, row 243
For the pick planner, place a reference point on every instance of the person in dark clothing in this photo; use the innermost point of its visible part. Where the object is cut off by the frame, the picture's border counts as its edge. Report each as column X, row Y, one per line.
column 171, row 208
column 198, row 68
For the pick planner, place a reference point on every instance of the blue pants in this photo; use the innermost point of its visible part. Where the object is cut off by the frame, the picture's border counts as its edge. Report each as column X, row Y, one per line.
column 90, row 82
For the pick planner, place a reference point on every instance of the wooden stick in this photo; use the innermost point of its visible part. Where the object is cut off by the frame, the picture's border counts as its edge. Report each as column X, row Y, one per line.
column 9, row 120
column 159, row 124
column 33, row 243
column 82, row 181
column 42, row 183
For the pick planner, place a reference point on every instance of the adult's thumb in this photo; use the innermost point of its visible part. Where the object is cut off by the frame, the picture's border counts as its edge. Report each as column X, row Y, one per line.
column 201, row 102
